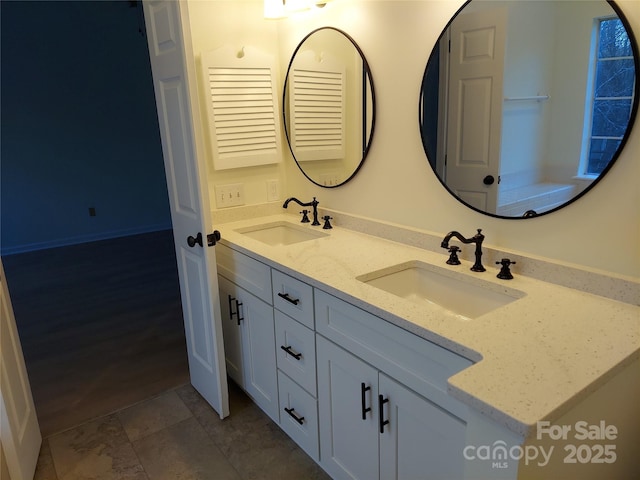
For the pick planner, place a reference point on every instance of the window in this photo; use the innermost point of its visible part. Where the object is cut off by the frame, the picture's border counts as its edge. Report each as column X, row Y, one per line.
column 611, row 96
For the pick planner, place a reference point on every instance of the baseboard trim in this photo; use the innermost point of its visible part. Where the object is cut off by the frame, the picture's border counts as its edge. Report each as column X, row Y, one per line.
column 62, row 242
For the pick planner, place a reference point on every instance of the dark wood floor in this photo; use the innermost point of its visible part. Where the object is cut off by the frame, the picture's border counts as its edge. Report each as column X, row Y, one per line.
column 100, row 324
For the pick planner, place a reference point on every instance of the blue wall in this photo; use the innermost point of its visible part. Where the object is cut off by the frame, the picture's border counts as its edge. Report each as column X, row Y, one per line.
column 79, row 126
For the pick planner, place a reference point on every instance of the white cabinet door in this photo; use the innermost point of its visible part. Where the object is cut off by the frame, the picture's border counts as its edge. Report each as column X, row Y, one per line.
column 173, row 69
column 421, row 440
column 20, row 437
column 231, row 330
column 347, row 388
column 258, row 351
column 249, row 342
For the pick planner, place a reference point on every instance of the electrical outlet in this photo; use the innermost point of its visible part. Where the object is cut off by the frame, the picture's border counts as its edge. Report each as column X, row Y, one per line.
column 230, row 195
column 273, row 190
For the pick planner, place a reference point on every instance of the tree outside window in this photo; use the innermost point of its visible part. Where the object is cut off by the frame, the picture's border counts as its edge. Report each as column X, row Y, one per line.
column 612, row 95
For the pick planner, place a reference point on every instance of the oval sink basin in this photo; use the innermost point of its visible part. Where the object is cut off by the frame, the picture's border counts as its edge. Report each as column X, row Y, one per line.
column 422, row 282
column 281, row 233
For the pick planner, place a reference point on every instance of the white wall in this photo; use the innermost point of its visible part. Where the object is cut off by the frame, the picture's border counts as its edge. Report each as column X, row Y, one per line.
column 528, row 71
column 217, row 23
column 79, row 126
column 396, row 184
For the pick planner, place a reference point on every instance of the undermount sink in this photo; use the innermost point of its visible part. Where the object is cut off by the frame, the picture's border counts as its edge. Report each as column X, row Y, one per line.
column 281, row 233
column 421, row 282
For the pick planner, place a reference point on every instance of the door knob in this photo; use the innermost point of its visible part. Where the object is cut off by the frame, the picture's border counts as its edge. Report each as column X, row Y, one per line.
column 488, row 180
column 213, row 238
column 191, row 241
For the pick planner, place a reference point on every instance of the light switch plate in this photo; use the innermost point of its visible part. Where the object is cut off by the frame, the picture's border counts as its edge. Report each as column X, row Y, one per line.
column 230, row 195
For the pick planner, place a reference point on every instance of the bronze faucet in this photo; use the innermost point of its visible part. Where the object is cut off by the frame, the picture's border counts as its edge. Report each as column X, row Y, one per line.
column 477, row 239
column 313, row 203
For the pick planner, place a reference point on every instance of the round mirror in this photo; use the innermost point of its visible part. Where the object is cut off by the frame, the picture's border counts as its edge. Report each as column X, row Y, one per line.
column 525, row 105
column 329, row 107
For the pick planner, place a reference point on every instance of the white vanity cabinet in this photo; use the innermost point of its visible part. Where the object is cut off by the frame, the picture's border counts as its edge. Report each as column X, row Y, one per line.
column 365, row 399
column 372, row 426
column 249, row 327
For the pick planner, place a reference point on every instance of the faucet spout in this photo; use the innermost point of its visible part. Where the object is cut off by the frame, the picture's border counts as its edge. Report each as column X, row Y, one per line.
column 449, row 236
column 313, row 203
column 478, row 238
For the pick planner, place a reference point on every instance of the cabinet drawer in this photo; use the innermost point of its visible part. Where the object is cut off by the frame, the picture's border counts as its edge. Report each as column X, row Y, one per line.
column 300, row 365
column 293, row 297
column 244, row 271
column 413, row 361
column 299, row 415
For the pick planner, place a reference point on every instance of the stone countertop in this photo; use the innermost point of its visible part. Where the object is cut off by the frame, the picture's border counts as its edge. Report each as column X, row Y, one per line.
column 535, row 358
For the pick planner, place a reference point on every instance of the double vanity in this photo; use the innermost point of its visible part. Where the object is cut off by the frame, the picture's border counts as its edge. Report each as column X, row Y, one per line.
column 382, row 361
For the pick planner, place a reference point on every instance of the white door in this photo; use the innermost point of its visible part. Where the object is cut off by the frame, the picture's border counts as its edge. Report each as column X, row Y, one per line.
column 421, row 440
column 347, row 405
column 20, row 437
column 173, row 69
column 475, row 106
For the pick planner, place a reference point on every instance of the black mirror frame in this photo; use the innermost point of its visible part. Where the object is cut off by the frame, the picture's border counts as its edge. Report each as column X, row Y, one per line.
column 368, row 76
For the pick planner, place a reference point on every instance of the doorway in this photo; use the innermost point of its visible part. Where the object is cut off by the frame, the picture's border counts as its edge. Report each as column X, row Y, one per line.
column 86, row 238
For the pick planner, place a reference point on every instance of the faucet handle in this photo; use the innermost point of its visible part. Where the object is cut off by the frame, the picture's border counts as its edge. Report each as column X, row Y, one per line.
column 453, row 255
column 305, row 218
column 327, row 224
column 505, row 272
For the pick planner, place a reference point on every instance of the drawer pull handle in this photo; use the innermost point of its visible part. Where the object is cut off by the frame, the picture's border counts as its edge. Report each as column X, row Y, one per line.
column 287, row 349
column 286, row 296
column 381, row 420
column 292, row 414
column 363, row 394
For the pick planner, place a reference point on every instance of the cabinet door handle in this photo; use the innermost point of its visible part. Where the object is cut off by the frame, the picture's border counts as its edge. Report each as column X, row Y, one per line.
column 287, row 349
column 363, row 395
column 231, row 312
column 238, row 305
column 286, row 296
column 292, row 414
column 381, row 420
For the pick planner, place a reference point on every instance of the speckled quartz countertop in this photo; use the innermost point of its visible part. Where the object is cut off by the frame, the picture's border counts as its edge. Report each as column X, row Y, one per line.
column 535, row 358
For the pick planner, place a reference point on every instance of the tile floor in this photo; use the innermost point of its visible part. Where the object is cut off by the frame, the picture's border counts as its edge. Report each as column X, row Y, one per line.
column 177, row 435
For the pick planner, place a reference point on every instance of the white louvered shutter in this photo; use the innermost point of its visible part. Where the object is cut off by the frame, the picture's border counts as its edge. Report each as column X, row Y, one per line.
column 317, row 108
column 242, row 107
